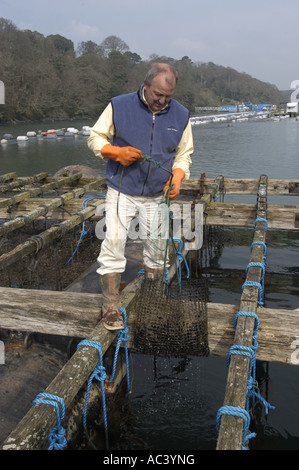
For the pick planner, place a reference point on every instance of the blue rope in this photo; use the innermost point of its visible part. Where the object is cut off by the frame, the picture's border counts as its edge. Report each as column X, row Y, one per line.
column 256, row 327
column 255, row 284
column 181, row 258
column 260, row 219
column 261, row 265
column 83, row 231
column 57, row 435
column 262, row 244
column 262, row 284
column 241, row 413
column 248, row 314
column 241, row 350
column 122, row 336
column 99, row 374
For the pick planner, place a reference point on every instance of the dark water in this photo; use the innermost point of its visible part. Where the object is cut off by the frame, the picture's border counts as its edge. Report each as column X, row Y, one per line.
column 174, row 401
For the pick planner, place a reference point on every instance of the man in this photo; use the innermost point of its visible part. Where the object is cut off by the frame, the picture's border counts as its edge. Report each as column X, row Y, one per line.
column 147, row 122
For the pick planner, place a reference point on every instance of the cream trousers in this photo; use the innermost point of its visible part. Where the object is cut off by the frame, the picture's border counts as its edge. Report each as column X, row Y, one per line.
column 139, row 218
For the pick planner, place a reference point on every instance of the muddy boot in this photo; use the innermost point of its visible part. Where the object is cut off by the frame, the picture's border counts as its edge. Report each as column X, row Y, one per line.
column 153, row 274
column 111, row 314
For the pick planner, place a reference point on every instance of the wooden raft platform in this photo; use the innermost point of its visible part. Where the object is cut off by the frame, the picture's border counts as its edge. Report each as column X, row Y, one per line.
column 24, row 200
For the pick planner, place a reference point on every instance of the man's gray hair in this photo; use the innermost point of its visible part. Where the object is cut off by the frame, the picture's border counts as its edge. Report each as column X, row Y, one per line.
column 171, row 75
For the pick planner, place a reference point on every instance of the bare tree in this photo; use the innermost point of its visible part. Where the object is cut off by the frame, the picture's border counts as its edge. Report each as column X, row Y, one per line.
column 114, row 43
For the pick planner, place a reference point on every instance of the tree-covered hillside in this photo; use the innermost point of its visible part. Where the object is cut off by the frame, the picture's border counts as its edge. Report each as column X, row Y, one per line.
column 45, row 78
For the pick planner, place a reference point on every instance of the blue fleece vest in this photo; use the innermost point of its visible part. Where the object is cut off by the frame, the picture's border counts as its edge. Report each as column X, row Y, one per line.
column 157, row 136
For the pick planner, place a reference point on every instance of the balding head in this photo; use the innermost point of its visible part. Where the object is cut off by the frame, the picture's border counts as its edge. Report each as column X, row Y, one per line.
column 168, row 73
column 159, row 85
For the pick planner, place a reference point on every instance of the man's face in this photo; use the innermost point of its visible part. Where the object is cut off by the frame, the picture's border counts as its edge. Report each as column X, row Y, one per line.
column 159, row 93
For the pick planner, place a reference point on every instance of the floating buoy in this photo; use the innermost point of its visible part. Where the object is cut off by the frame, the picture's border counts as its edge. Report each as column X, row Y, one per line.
column 22, row 138
column 4, row 141
column 8, row 136
column 73, row 130
column 31, row 134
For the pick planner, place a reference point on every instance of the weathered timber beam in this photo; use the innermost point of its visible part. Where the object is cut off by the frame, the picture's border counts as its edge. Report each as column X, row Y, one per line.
column 243, row 215
column 43, row 209
column 75, row 314
column 8, row 177
column 22, row 181
column 231, row 428
column 13, row 200
column 34, row 244
column 248, row 186
column 280, row 216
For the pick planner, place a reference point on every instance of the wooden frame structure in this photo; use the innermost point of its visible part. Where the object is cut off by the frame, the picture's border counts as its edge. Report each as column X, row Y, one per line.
column 61, row 313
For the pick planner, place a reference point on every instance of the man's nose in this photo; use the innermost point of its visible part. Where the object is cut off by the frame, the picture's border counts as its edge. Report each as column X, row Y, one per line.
column 162, row 99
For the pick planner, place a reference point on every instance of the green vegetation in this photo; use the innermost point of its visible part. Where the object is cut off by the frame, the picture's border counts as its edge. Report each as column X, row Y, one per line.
column 45, row 78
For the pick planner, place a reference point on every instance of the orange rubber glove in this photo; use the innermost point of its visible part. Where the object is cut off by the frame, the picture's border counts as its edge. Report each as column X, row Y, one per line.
column 178, row 176
column 124, row 155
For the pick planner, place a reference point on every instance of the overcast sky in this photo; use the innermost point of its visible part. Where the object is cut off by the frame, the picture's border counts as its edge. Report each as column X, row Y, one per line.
column 259, row 37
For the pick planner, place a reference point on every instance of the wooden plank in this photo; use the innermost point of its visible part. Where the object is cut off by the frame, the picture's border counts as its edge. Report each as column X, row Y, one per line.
column 75, row 315
column 248, row 186
column 280, row 216
column 231, row 428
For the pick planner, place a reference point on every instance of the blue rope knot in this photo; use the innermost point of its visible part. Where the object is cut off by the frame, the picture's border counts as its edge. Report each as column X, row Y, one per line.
column 56, row 437
column 261, row 265
column 248, row 314
column 100, row 374
column 181, row 258
column 256, row 325
column 122, row 336
column 241, row 413
column 240, row 350
column 255, row 284
column 260, row 219
column 262, row 244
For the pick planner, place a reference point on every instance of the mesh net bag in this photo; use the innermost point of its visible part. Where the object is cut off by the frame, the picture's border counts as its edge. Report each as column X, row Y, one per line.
column 172, row 326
